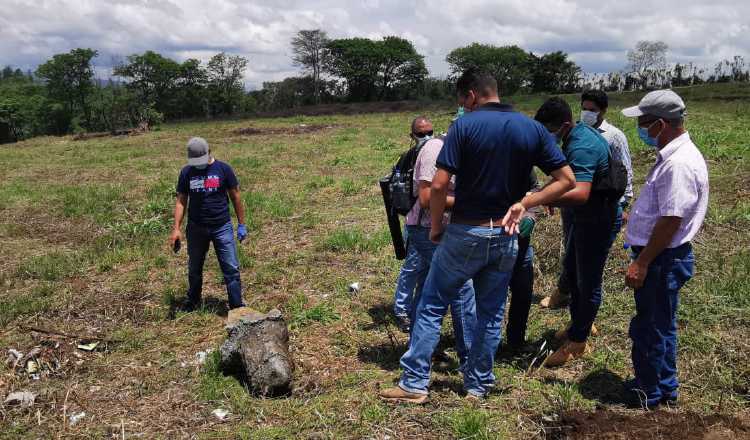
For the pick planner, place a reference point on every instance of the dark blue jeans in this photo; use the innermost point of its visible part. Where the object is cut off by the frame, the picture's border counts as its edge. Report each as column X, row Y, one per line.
column 654, row 327
column 562, row 283
column 589, row 239
column 476, row 253
column 463, row 307
column 521, row 291
column 198, row 239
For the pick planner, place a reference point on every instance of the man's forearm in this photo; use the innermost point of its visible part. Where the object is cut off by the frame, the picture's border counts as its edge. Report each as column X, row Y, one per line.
column 661, row 237
column 179, row 213
column 438, row 196
column 562, row 182
column 239, row 209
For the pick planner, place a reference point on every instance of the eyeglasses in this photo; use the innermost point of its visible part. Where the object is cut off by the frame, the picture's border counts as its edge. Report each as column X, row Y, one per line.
column 422, row 134
column 649, row 123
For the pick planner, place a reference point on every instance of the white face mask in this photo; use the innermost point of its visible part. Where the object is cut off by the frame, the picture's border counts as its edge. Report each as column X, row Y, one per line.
column 589, row 118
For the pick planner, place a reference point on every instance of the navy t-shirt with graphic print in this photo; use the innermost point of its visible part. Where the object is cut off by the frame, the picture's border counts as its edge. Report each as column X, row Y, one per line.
column 207, row 192
column 492, row 151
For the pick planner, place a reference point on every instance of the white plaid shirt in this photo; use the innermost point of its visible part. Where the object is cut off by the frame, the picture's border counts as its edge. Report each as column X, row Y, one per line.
column 676, row 186
column 618, row 144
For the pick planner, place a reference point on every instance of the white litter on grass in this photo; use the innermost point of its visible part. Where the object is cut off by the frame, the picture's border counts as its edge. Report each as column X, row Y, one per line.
column 200, row 357
column 75, row 418
column 13, row 357
column 354, row 288
column 23, row 398
column 220, row 414
column 32, row 367
column 90, row 346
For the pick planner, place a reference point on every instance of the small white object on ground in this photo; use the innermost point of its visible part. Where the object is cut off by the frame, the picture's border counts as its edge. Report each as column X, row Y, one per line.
column 200, row 357
column 91, row 346
column 220, row 413
column 75, row 418
column 354, row 288
column 23, row 398
column 32, row 367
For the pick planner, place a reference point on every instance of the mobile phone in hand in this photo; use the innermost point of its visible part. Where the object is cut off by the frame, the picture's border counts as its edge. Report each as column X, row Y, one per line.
column 176, row 247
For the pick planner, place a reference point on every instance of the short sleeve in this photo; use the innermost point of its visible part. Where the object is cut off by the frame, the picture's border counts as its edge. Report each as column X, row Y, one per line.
column 549, row 158
column 449, row 158
column 425, row 168
column 676, row 191
column 583, row 160
column 183, row 185
column 230, row 177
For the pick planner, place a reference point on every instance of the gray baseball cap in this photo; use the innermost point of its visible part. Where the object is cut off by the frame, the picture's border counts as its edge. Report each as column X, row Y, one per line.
column 662, row 103
column 197, row 151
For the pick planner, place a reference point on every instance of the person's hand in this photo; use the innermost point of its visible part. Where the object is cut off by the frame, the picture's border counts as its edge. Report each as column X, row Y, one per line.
column 526, row 227
column 512, row 218
column 436, row 234
column 241, row 232
column 636, row 274
column 176, row 235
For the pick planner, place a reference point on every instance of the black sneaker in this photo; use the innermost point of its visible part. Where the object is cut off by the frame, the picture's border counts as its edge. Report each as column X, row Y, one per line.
column 403, row 323
column 188, row 306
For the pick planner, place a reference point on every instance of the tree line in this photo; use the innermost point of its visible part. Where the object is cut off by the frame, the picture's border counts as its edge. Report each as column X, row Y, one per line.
column 65, row 95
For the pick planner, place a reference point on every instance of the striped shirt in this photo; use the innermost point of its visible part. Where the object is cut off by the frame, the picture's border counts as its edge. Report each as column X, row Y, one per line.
column 618, row 144
column 676, row 186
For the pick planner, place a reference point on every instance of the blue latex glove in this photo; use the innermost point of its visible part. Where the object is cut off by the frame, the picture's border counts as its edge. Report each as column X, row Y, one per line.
column 241, row 232
column 526, row 227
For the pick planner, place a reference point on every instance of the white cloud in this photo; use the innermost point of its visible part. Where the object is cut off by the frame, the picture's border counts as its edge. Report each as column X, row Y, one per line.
column 597, row 34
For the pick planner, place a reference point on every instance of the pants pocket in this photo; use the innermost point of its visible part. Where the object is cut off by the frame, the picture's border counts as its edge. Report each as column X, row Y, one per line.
column 680, row 272
column 508, row 255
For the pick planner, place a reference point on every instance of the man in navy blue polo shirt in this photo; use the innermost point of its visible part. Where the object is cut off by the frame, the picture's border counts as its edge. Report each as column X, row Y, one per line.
column 204, row 186
column 491, row 151
column 588, row 218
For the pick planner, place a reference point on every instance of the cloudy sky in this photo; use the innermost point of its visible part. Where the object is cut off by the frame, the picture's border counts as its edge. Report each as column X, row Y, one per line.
column 597, row 34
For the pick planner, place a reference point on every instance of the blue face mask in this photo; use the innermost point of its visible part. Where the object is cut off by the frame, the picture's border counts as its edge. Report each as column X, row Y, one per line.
column 648, row 140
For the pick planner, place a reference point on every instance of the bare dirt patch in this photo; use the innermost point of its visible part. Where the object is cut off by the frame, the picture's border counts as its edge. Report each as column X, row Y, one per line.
column 294, row 130
column 608, row 425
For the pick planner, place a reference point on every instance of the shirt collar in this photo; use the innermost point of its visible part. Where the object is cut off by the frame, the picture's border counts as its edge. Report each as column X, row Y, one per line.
column 671, row 147
column 496, row 106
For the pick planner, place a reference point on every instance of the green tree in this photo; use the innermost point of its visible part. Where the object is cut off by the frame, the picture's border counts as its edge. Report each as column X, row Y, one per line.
column 554, row 72
column 309, row 51
column 385, row 69
column 152, row 78
column 69, row 80
column 510, row 65
column 225, row 83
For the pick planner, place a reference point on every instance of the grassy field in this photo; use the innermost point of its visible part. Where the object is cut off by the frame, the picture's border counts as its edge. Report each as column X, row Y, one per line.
column 84, row 228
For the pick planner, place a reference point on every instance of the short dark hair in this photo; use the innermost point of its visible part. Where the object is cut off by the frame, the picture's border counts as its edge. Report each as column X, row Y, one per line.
column 598, row 97
column 555, row 111
column 481, row 82
column 417, row 120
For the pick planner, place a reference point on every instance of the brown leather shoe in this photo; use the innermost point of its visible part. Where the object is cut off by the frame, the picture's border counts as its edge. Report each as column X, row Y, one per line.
column 562, row 334
column 397, row 394
column 554, row 301
column 568, row 352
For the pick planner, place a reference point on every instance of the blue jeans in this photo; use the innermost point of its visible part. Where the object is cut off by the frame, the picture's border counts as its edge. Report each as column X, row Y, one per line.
column 654, row 327
column 588, row 241
column 476, row 253
column 407, row 281
column 521, row 293
column 198, row 239
column 463, row 307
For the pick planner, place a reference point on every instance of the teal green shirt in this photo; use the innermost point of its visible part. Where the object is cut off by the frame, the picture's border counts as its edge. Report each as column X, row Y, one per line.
column 587, row 152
